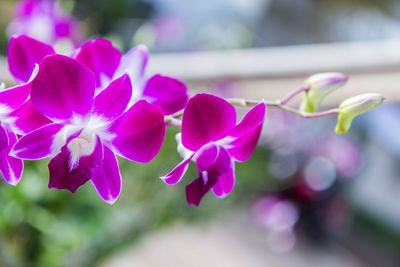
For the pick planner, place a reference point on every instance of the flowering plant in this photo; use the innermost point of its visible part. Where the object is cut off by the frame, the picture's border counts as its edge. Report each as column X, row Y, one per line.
column 84, row 109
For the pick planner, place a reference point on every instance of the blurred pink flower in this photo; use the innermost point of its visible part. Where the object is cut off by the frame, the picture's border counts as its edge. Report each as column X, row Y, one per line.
column 45, row 21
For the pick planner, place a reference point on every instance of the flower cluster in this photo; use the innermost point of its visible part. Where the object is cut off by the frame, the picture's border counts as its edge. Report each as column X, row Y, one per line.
column 81, row 111
column 84, row 109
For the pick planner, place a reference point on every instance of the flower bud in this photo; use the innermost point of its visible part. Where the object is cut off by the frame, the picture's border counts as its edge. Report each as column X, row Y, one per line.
column 320, row 85
column 354, row 106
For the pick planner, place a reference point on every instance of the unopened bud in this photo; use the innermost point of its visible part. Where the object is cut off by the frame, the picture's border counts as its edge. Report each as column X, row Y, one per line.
column 354, row 106
column 320, row 85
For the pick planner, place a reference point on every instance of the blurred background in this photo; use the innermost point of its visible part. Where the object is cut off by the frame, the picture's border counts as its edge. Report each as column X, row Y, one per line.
column 306, row 195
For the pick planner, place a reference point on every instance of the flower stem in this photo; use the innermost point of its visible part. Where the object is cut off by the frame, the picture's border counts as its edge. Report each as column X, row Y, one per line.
column 278, row 104
column 289, row 97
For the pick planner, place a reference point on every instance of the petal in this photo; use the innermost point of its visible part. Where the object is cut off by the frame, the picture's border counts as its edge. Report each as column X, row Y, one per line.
column 63, row 89
column 254, row 118
column 225, row 183
column 206, row 118
column 169, row 93
column 242, row 140
column 222, row 164
column 139, row 133
column 11, row 168
column 196, row 190
column 101, row 57
column 37, row 144
column 206, row 156
column 3, row 138
column 177, row 173
column 106, row 177
column 242, row 147
column 134, row 63
column 62, row 176
column 22, row 55
column 112, row 101
column 14, row 97
column 27, row 119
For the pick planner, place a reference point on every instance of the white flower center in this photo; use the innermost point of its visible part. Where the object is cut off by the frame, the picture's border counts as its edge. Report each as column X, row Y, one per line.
column 83, row 145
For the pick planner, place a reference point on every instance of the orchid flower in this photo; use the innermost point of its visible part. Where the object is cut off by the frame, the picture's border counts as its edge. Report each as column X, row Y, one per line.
column 87, row 131
column 211, row 137
column 44, row 20
column 107, row 63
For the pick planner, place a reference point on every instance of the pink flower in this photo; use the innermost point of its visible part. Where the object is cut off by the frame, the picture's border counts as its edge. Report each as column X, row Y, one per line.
column 214, row 141
column 44, row 21
column 87, row 131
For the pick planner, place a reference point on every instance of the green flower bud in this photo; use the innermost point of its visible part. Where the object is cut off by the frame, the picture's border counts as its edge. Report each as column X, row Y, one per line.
column 320, row 85
column 354, row 106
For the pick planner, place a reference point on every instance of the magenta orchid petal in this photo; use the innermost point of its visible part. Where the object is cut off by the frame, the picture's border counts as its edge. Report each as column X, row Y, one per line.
column 169, row 93
column 11, row 168
column 222, row 164
column 206, row 118
column 225, row 183
column 206, row 156
column 254, row 118
column 14, row 97
column 106, row 177
column 101, row 57
column 112, row 101
column 27, row 119
column 134, row 63
column 178, row 172
column 22, row 55
column 242, row 147
column 63, row 90
column 196, row 190
column 37, row 144
column 139, row 133
column 64, row 175
column 3, row 138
